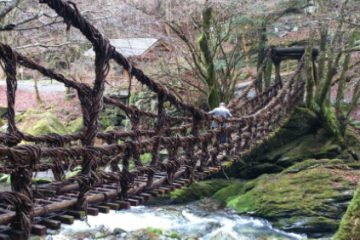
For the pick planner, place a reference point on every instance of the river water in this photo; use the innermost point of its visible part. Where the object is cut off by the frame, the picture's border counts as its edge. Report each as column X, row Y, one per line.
column 199, row 220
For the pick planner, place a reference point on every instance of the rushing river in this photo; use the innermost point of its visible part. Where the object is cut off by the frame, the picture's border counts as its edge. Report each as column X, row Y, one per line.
column 197, row 220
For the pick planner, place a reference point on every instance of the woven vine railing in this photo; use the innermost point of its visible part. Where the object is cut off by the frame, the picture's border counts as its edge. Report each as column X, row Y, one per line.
column 189, row 141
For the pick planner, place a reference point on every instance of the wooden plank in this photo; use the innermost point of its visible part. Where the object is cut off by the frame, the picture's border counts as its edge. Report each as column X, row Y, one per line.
column 184, row 180
column 111, row 187
column 76, row 214
column 123, row 204
column 133, row 202
column 146, row 196
column 92, row 199
column 158, row 193
column 50, row 223
column 171, row 187
column 65, row 219
column 38, row 230
column 103, row 209
column 166, row 189
column 140, row 198
column 113, row 206
column 92, row 211
column 177, row 185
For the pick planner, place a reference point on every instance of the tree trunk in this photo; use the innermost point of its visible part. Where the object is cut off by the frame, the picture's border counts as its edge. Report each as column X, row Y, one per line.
column 39, row 101
column 214, row 88
column 261, row 54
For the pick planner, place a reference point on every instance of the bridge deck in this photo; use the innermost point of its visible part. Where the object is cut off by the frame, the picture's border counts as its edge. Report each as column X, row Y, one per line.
column 51, row 212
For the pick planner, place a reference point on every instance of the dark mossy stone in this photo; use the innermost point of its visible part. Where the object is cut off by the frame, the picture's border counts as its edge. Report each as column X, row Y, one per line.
column 2, row 111
column 198, row 190
column 308, row 197
column 349, row 227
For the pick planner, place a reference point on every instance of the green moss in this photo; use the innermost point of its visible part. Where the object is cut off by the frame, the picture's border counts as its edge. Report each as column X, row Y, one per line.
column 235, row 188
column 39, row 122
column 2, row 111
column 75, row 125
column 301, row 138
column 350, row 223
column 198, row 190
column 311, row 163
column 307, row 197
column 174, row 235
column 145, row 160
column 301, row 122
column 46, row 125
column 157, row 231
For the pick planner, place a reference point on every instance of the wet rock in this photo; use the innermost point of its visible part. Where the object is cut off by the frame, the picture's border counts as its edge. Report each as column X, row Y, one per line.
column 198, row 190
column 350, row 227
column 224, row 235
column 309, row 197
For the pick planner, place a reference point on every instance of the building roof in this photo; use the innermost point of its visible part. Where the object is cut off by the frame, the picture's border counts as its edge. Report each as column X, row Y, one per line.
column 129, row 47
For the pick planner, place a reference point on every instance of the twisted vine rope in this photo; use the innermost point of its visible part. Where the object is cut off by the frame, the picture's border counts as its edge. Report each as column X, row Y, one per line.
column 188, row 140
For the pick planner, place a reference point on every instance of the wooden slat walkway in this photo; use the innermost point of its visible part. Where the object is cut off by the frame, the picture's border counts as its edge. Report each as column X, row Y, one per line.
column 51, row 212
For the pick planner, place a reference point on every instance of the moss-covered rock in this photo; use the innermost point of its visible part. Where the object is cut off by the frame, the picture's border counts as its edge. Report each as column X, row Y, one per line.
column 40, row 122
column 309, row 197
column 350, row 224
column 301, row 138
column 111, row 117
column 75, row 125
column 2, row 112
column 198, row 190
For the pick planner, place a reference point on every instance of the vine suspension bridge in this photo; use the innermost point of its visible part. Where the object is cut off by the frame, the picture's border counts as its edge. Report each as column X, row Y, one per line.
column 194, row 150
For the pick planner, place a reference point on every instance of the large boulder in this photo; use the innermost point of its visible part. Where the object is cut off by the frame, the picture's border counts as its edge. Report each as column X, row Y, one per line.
column 309, row 197
column 198, row 190
column 350, row 224
column 39, row 122
column 301, row 138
